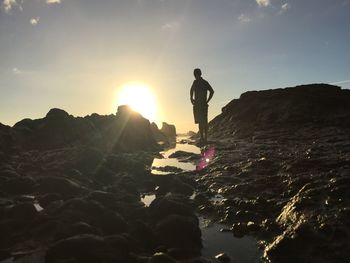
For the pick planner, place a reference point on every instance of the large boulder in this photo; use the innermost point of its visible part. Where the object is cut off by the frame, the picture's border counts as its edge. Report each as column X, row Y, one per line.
column 132, row 132
column 57, row 130
column 169, row 130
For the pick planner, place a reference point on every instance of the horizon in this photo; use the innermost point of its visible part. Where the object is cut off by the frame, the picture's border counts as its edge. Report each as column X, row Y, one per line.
column 77, row 55
column 160, row 123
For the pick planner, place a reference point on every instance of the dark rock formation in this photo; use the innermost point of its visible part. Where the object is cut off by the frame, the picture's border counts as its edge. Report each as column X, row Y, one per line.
column 315, row 104
column 125, row 131
column 169, row 130
column 283, row 172
column 166, row 135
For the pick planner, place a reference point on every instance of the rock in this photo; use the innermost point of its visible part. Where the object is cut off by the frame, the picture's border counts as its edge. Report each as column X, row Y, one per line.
column 253, row 226
column 80, row 228
column 24, row 211
column 168, row 169
column 85, row 248
column 176, row 231
column 104, row 198
column 184, row 155
column 223, row 258
column 134, row 132
column 46, row 199
column 161, row 258
column 56, row 113
column 169, row 205
column 111, row 222
column 19, row 185
column 169, row 130
column 58, row 185
column 239, row 229
column 158, row 135
column 314, row 104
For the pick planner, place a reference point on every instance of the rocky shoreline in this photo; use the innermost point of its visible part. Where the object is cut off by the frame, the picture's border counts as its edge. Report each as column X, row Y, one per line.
column 71, row 188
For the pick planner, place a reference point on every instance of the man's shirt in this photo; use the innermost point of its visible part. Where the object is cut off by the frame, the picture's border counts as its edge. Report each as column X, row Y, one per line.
column 200, row 87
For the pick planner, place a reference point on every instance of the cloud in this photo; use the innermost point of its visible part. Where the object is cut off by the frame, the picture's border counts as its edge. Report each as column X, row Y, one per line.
column 340, row 82
column 171, row 26
column 34, row 21
column 49, row 2
column 16, row 71
column 263, row 3
column 284, row 8
column 7, row 5
column 244, row 19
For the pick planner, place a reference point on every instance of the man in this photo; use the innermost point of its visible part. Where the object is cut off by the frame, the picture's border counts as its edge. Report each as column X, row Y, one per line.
column 200, row 99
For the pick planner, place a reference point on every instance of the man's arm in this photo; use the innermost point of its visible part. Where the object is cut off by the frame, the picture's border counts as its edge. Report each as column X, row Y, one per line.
column 211, row 92
column 191, row 94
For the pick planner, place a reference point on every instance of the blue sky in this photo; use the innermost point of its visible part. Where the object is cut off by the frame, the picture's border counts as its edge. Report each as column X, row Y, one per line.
column 76, row 54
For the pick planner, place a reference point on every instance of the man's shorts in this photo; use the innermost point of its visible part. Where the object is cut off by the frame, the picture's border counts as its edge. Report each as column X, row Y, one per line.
column 200, row 112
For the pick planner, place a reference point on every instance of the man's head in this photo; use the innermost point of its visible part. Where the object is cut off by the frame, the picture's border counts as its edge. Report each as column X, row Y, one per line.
column 197, row 73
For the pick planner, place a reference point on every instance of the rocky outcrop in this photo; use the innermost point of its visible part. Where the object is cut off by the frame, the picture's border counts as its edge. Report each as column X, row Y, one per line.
column 282, row 169
column 166, row 135
column 125, row 131
column 315, row 104
column 169, row 130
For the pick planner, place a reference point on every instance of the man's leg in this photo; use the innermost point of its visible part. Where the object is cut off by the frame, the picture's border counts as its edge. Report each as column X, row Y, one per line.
column 205, row 132
column 201, row 131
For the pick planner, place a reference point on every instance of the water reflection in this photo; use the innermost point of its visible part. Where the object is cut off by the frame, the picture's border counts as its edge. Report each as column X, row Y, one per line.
column 244, row 250
column 166, row 161
column 147, row 199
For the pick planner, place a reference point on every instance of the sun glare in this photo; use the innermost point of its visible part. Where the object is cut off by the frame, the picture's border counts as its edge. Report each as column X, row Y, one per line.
column 140, row 98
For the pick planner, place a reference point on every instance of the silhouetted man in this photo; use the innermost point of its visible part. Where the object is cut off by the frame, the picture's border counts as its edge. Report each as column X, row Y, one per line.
column 200, row 99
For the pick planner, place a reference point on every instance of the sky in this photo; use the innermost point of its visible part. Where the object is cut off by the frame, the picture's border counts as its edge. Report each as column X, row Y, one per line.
column 77, row 54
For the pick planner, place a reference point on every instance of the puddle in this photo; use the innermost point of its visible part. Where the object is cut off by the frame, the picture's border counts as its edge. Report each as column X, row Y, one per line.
column 243, row 250
column 147, row 199
column 38, row 207
column 166, row 161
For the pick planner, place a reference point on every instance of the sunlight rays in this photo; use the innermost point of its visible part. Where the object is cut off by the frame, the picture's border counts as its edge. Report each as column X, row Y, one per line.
column 140, row 98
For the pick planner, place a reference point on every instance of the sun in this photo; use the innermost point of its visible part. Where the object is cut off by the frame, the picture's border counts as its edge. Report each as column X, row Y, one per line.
column 140, row 98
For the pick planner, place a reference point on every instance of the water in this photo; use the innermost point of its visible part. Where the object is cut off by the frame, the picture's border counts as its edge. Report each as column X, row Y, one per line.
column 147, row 199
column 243, row 250
column 166, row 161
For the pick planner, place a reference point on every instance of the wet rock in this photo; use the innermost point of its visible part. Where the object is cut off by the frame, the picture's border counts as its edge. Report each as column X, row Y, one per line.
column 161, row 258
column 184, row 156
column 87, row 159
column 19, row 185
column 182, row 254
column 144, row 234
column 80, row 228
column 25, row 211
column 252, row 226
column 86, row 248
column 111, row 222
column 105, row 198
column 223, row 258
column 239, row 229
column 46, row 199
column 169, row 205
column 58, row 185
column 168, row 169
